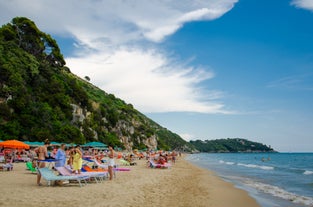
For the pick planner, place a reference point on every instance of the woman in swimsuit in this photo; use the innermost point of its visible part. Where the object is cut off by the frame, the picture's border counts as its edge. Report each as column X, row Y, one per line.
column 42, row 154
column 111, row 162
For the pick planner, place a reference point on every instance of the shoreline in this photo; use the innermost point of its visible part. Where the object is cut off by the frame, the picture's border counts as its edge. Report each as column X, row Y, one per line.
column 184, row 184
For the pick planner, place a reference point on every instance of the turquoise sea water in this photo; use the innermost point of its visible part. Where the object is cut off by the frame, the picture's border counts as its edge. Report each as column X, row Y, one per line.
column 273, row 179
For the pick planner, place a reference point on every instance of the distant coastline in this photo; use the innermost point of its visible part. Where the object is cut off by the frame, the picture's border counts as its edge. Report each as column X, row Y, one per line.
column 231, row 145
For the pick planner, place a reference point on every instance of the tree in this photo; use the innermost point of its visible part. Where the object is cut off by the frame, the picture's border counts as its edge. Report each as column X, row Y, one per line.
column 87, row 78
column 32, row 40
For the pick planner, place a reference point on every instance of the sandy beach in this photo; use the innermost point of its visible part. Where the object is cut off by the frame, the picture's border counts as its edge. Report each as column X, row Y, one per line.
column 182, row 185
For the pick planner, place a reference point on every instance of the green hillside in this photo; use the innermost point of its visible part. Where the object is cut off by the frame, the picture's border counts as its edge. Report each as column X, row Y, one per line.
column 40, row 98
column 230, row 145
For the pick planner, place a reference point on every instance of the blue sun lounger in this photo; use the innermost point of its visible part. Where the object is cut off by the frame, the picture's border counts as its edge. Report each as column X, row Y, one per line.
column 49, row 175
column 65, row 171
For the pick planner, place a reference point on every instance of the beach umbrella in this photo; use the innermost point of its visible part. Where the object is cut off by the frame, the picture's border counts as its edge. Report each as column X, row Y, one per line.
column 27, row 142
column 14, row 144
column 55, row 143
column 34, row 144
column 95, row 144
column 70, row 145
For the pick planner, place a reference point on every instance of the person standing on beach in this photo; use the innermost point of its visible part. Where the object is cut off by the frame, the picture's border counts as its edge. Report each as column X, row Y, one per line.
column 70, row 153
column 77, row 160
column 111, row 162
column 60, row 156
column 42, row 153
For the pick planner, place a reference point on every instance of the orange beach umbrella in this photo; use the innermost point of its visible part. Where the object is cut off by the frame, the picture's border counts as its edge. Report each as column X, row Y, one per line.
column 14, row 144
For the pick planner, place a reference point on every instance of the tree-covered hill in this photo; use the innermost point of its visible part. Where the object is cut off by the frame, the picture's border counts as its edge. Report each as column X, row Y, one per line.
column 230, row 145
column 40, row 98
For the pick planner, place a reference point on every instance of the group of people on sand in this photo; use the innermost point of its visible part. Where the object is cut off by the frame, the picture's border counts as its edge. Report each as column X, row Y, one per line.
column 73, row 157
column 75, row 160
column 163, row 157
column 16, row 155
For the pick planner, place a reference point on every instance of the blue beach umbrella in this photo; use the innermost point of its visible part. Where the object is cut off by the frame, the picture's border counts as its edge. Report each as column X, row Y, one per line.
column 95, row 145
column 70, row 145
column 55, row 143
column 34, row 144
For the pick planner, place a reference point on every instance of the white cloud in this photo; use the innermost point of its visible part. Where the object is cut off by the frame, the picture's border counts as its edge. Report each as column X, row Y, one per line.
column 296, row 82
column 304, row 4
column 116, row 21
column 116, row 47
column 148, row 80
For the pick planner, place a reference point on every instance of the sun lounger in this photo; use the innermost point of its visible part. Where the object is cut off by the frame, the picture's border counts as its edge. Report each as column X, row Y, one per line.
column 6, row 167
column 122, row 169
column 152, row 164
column 100, row 165
column 104, row 166
column 87, row 168
column 2, row 159
column 29, row 166
column 49, row 175
column 124, row 162
column 22, row 158
column 97, row 176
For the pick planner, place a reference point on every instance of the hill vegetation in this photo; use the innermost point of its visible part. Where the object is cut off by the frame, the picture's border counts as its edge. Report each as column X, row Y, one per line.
column 230, row 145
column 40, row 98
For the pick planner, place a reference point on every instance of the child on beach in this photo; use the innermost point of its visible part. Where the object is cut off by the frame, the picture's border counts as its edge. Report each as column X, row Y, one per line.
column 77, row 160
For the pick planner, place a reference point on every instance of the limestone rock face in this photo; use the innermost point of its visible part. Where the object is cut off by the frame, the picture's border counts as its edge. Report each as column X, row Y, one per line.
column 78, row 115
column 123, row 129
column 151, row 142
column 126, row 131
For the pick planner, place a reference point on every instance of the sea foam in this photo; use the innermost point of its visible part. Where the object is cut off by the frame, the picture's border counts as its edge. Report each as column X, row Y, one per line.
column 281, row 193
column 308, row 172
column 256, row 166
column 227, row 163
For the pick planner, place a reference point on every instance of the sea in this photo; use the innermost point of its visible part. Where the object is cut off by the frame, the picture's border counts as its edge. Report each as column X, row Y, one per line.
column 273, row 179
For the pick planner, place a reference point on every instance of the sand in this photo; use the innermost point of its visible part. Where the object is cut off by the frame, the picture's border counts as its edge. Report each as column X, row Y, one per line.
column 182, row 185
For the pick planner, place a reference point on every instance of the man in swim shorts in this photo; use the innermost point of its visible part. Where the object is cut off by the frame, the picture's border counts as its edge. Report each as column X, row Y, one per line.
column 111, row 162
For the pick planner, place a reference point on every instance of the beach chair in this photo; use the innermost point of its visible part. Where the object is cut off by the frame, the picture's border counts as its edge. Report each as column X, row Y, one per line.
column 29, row 166
column 124, row 162
column 152, row 164
column 100, row 165
column 7, row 165
column 2, row 159
column 104, row 166
column 49, row 175
column 97, row 176
column 87, row 168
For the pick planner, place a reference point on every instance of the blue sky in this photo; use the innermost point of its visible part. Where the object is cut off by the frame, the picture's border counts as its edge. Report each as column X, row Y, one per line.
column 203, row 69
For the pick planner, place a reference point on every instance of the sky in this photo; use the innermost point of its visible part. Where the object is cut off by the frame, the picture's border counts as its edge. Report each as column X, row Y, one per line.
column 204, row 69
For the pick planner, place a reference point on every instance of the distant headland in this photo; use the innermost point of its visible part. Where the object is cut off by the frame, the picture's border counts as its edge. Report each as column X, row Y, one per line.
column 230, row 145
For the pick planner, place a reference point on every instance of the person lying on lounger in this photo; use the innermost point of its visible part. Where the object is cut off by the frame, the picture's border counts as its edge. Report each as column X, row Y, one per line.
column 130, row 159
